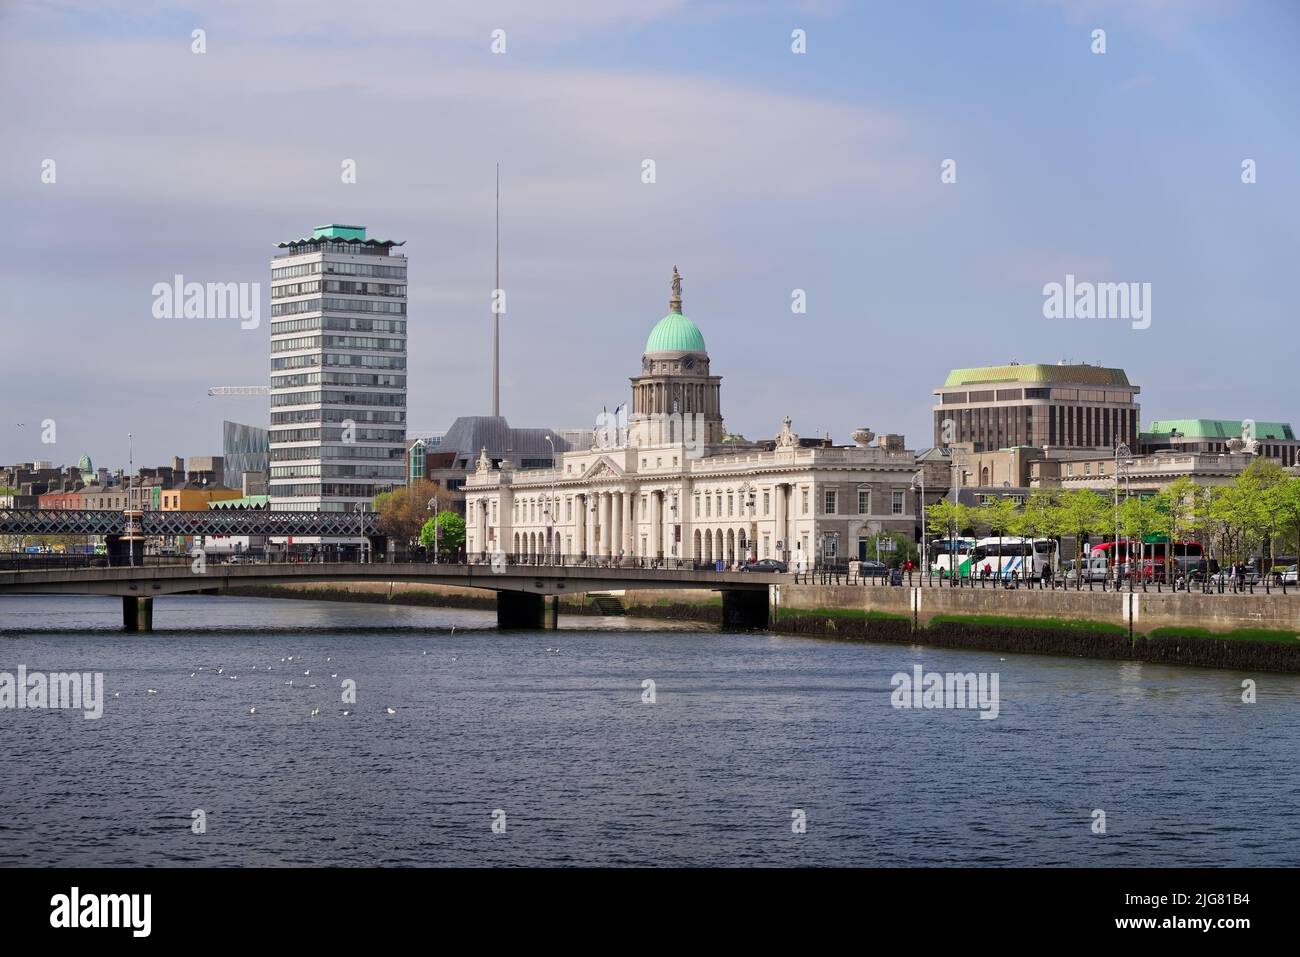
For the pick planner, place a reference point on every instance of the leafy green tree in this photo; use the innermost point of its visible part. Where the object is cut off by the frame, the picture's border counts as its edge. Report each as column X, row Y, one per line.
column 998, row 516
column 1283, row 504
column 1140, row 517
column 948, row 519
column 450, row 533
column 1081, row 512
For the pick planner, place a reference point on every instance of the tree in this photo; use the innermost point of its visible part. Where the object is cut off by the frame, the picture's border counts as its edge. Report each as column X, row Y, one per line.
column 998, row 515
column 1079, row 513
column 1283, row 504
column 1179, row 503
column 1138, row 518
column 450, row 533
column 949, row 519
column 403, row 511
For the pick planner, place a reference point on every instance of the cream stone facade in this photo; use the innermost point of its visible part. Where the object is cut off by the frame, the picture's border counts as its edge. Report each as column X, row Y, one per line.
column 671, row 485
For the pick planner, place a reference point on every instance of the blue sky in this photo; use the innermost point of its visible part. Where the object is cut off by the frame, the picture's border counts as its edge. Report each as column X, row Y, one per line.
column 775, row 171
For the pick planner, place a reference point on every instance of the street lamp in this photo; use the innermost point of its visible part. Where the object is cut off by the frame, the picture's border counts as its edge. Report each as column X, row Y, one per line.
column 433, row 507
column 676, row 528
column 1120, row 450
column 130, row 467
column 920, row 477
column 751, row 500
column 553, row 503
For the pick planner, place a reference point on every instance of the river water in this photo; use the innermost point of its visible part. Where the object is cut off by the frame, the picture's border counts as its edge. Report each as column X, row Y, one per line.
column 747, row 735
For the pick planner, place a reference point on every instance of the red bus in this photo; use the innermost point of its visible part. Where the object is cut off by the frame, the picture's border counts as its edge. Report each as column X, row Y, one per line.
column 1151, row 555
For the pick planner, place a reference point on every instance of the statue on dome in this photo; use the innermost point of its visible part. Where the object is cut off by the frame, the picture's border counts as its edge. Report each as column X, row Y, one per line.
column 675, row 303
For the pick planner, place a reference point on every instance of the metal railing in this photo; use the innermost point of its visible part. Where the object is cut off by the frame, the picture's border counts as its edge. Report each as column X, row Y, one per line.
column 818, row 575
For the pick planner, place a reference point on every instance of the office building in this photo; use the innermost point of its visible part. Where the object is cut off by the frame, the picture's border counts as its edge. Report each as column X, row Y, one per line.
column 338, row 370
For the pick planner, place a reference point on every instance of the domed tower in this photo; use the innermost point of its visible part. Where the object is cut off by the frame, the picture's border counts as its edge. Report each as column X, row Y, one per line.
column 674, row 385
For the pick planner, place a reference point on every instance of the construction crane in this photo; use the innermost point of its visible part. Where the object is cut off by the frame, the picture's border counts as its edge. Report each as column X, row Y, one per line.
column 240, row 390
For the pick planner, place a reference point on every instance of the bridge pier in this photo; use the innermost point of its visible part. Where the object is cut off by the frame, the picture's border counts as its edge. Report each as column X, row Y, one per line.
column 517, row 609
column 137, row 613
column 744, row 610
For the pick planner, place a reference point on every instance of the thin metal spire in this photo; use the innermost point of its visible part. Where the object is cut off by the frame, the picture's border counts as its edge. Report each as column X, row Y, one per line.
column 496, row 316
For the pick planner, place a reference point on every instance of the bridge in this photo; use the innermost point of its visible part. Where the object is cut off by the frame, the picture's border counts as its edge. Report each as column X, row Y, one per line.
column 527, row 594
column 216, row 521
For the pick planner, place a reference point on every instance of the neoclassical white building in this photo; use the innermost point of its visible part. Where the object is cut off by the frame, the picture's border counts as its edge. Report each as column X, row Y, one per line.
column 667, row 482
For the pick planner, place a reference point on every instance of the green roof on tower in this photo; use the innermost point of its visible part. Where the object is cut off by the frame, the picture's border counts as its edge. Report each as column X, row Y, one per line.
column 340, row 233
column 674, row 332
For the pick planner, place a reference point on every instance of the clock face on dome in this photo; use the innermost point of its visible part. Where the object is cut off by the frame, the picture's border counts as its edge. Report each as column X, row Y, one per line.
column 688, row 362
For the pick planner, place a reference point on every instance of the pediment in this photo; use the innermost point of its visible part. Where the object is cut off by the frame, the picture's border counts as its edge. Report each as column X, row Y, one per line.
column 603, row 468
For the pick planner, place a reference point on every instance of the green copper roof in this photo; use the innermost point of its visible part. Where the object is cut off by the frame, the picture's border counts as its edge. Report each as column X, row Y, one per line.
column 1038, row 372
column 338, row 231
column 1220, row 428
column 675, row 333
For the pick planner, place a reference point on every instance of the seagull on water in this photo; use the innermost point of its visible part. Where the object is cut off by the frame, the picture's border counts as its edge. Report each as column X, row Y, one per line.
column 315, row 711
column 221, row 671
column 152, row 691
column 306, row 674
column 346, row 713
column 391, row 711
column 335, row 675
column 252, row 711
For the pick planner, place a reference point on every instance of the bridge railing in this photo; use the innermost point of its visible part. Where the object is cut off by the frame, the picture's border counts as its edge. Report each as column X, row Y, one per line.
column 32, row 561
column 1214, row 585
column 827, row 575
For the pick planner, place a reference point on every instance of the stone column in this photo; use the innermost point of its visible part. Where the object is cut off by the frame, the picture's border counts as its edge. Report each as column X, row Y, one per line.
column 686, row 502
column 604, row 500
column 629, row 522
column 616, row 523
column 481, row 525
column 580, row 525
column 656, row 525
column 781, row 539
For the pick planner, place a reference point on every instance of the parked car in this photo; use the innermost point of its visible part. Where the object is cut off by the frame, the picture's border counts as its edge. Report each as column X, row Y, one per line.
column 1227, row 576
column 1289, row 575
column 872, row 569
column 765, row 565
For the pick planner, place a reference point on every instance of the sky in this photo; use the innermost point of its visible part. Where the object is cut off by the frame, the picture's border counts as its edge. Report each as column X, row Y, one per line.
column 775, row 171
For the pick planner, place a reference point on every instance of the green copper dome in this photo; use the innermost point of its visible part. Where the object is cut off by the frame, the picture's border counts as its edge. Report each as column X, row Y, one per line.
column 675, row 333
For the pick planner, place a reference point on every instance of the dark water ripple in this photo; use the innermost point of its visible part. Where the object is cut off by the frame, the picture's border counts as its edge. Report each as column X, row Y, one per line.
column 745, row 729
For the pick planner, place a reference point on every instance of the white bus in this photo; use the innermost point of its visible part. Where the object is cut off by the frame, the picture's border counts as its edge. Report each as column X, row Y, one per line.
column 1012, row 557
column 942, row 552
